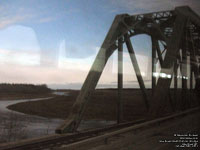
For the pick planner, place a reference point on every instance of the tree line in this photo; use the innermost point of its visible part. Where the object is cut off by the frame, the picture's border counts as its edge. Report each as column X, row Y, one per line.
column 23, row 88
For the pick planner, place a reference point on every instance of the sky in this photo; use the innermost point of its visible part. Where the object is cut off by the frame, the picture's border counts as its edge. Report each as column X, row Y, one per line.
column 55, row 41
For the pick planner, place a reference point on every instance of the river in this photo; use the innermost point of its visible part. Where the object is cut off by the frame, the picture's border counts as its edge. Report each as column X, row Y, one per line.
column 16, row 126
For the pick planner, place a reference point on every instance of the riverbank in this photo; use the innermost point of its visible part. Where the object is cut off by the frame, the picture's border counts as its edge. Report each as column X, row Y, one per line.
column 14, row 91
column 102, row 105
column 19, row 96
column 37, row 117
column 16, row 126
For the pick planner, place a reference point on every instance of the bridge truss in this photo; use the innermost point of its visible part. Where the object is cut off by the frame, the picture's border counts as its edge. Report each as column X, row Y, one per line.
column 178, row 31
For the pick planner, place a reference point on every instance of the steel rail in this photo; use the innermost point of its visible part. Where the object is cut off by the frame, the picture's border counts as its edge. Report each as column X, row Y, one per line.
column 59, row 139
column 75, row 140
column 145, row 125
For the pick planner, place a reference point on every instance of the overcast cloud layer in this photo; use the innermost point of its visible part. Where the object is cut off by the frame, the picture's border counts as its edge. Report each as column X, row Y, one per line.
column 56, row 42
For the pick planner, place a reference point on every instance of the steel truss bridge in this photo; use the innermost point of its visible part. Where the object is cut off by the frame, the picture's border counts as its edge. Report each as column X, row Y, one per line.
column 178, row 31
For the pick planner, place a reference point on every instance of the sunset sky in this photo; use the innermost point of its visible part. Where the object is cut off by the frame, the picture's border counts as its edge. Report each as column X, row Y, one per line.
column 56, row 41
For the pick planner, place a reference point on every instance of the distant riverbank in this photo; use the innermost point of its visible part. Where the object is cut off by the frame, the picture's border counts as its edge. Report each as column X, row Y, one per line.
column 102, row 105
column 17, row 91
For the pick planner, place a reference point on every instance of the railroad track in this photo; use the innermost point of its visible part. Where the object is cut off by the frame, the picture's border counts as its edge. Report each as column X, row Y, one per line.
column 68, row 141
column 56, row 140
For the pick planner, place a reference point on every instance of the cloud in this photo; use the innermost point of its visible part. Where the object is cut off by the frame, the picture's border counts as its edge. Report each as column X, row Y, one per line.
column 14, row 73
column 144, row 6
column 17, row 37
column 83, row 64
column 11, row 14
column 9, row 20
column 46, row 19
column 79, row 62
column 19, row 45
column 24, row 67
column 26, row 58
column 76, row 63
column 143, row 62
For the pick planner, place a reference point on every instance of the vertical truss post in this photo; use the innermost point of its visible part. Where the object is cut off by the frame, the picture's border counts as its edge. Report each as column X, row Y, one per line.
column 175, row 83
column 184, row 76
column 170, row 100
column 163, row 83
column 137, row 70
column 179, row 66
column 153, row 63
column 197, row 83
column 196, row 70
column 192, row 63
column 193, row 66
column 191, row 50
column 191, row 79
column 120, row 81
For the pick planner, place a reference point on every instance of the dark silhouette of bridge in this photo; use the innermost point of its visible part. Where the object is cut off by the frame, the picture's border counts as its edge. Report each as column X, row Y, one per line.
column 178, row 31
